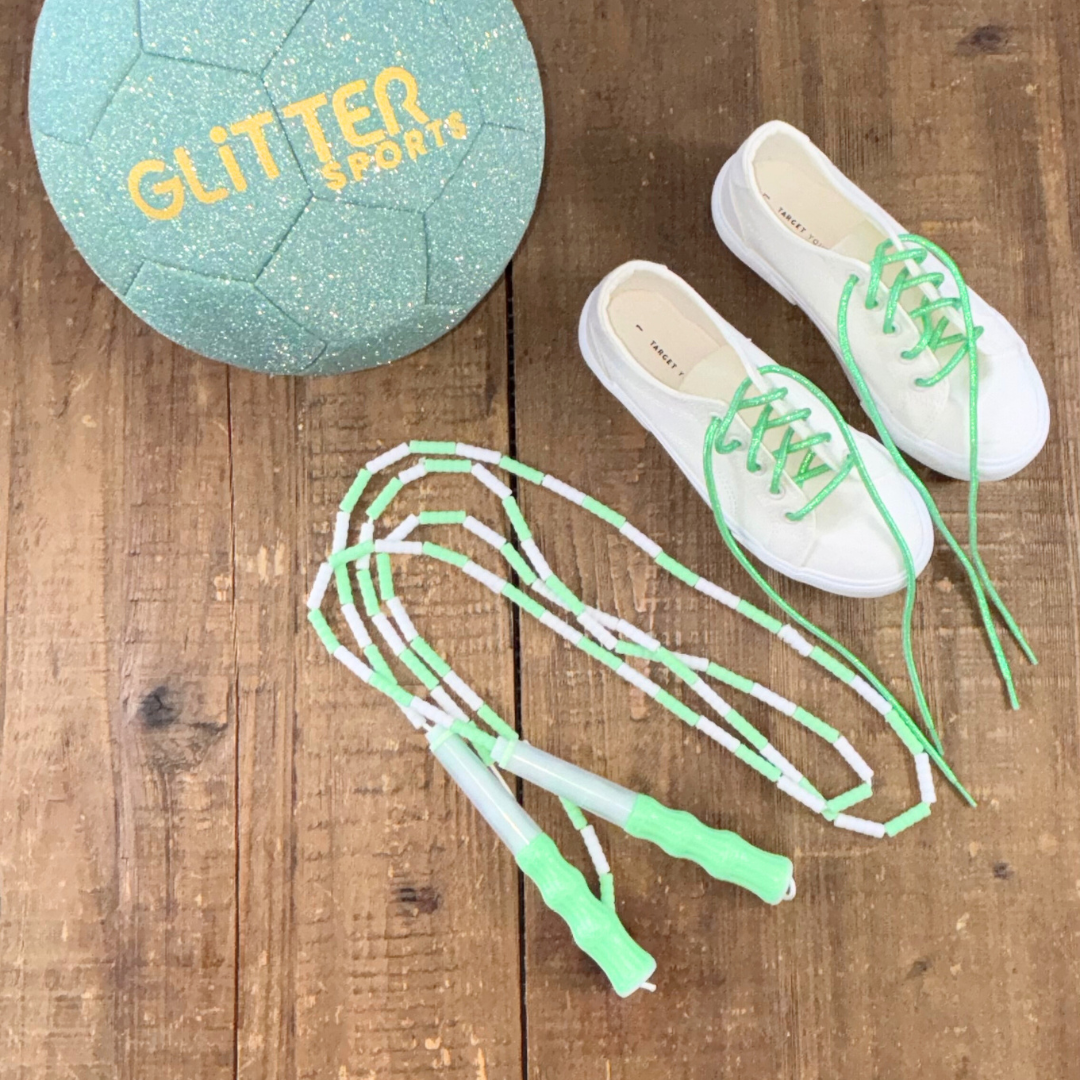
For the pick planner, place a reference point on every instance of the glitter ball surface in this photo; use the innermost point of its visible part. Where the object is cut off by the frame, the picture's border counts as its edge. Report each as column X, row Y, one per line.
column 288, row 186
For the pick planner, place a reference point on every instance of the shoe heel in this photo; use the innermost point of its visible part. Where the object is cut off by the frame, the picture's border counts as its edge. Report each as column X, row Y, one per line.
column 734, row 242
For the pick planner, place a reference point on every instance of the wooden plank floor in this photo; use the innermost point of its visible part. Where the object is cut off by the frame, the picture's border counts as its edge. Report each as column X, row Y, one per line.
column 219, row 858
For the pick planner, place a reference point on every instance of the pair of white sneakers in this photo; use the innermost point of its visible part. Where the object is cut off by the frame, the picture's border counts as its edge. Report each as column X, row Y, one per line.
column 944, row 377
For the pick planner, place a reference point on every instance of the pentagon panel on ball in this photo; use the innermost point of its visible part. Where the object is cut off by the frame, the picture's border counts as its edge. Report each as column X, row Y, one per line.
column 291, row 186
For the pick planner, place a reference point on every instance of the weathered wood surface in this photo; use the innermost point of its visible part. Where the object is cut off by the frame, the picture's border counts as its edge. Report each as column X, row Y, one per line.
column 218, row 857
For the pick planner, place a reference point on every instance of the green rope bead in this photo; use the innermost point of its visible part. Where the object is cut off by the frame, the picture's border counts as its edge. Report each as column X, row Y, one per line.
column 524, row 601
column 730, row 678
column 598, row 652
column 351, row 554
column 447, row 465
column 386, row 576
column 607, row 889
column 676, row 666
column 442, row 517
column 523, row 570
column 758, row 763
column 418, row 668
column 754, row 614
column 906, row 735
column 322, row 628
column 437, row 551
column 496, row 722
column 352, row 496
column 676, row 568
column 373, row 655
column 849, row 799
column 430, row 657
column 575, row 605
column 577, row 818
column 673, row 704
column 831, row 664
column 907, row 819
column 815, row 724
column 747, row 730
column 429, row 446
column 602, row 511
column 387, row 685
column 384, row 498
column 367, row 592
column 344, row 585
column 534, row 476
column 517, row 520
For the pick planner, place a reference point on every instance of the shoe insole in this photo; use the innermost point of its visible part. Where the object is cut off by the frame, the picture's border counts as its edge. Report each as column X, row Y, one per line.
column 673, row 349
column 806, row 203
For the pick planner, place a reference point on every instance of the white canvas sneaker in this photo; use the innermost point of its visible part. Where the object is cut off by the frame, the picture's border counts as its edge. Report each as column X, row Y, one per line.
column 784, row 209
column 786, row 481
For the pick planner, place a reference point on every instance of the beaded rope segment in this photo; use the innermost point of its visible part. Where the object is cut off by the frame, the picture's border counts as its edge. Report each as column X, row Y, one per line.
column 607, row 638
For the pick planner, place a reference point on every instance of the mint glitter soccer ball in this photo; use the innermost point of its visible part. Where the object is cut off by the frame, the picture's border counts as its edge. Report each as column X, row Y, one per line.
column 286, row 185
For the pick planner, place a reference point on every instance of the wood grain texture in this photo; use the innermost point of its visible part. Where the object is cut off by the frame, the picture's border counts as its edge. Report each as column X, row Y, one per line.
column 219, row 857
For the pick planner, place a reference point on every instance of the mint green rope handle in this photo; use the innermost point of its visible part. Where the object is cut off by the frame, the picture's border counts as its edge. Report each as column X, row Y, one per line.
column 931, row 338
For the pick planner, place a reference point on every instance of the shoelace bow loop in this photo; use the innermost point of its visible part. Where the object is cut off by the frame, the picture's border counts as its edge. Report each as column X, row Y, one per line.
column 789, row 444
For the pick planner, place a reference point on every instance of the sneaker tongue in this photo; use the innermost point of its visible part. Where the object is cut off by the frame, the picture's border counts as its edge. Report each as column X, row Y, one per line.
column 861, row 242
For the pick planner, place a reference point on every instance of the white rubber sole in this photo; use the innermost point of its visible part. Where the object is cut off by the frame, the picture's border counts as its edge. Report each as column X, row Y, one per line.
column 826, row 583
column 924, row 451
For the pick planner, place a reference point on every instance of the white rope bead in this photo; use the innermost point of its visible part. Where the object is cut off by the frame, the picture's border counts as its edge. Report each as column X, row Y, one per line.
column 430, row 712
column 561, row 627
column 636, row 634
column 854, row 759
column 642, row 682
column 726, row 598
column 565, row 490
column 356, row 625
column 868, row 693
column 491, row 482
column 415, row 719
column 353, row 663
column 697, row 663
column 790, row 636
column 717, row 734
column 478, row 453
column 322, row 583
column 860, row 825
column 781, row 704
column 463, row 690
column 413, row 472
column 596, row 852
column 388, row 633
column 495, row 583
column 639, row 539
column 539, row 563
column 447, row 703
column 771, row 754
column 391, row 457
column 341, row 531
column 596, row 628
column 401, row 617
column 399, row 547
column 807, row 798
column 925, row 775
column 711, row 697
column 403, row 530
column 488, row 535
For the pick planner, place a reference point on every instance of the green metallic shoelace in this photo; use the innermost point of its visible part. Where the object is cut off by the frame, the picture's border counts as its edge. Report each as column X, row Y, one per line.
column 933, row 336
column 788, row 444
column 716, row 442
